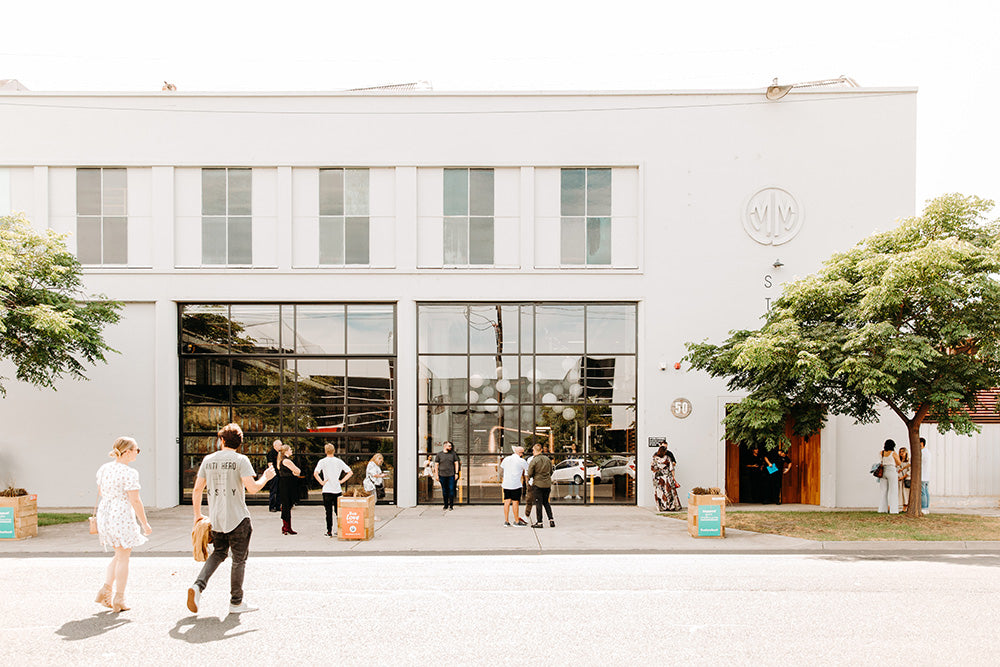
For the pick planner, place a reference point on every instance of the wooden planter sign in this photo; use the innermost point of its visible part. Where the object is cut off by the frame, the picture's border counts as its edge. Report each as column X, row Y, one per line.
column 707, row 515
column 18, row 517
column 356, row 518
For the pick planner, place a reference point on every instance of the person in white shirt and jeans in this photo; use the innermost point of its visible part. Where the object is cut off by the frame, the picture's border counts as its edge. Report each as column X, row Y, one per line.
column 328, row 473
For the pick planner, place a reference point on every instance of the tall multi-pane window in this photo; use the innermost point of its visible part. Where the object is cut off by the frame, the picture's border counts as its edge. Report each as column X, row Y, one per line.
column 226, row 223
column 101, row 217
column 310, row 374
column 585, row 210
column 468, row 217
column 492, row 376
column 344, row 216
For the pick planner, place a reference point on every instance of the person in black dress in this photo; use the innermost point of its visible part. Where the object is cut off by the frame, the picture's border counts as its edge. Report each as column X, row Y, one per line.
column 750, row 480
column 288, row 487
column 273, row 502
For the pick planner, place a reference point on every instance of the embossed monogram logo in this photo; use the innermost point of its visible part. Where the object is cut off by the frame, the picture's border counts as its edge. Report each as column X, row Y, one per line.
column 772, row 216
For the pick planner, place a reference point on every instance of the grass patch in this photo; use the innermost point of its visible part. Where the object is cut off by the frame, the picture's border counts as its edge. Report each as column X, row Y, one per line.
column 863, row 526
column 56, row 518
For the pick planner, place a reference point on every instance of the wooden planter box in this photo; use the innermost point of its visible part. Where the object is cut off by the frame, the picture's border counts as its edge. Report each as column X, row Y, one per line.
column 707, row 515
column 18, row 517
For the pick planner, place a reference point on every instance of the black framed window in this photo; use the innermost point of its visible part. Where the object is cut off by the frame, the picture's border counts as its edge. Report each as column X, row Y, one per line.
column 307, row 374
column 560, row 374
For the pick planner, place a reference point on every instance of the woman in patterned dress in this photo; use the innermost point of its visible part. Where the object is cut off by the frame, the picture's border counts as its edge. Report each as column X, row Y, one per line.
column 664, row 485
column 118, row 486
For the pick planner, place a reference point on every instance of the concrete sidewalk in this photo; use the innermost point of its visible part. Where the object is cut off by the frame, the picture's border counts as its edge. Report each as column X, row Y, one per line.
column 428, row 530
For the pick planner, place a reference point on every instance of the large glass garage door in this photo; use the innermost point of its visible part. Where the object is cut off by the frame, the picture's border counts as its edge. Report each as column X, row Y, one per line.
column 308, row 374
column 495, row 375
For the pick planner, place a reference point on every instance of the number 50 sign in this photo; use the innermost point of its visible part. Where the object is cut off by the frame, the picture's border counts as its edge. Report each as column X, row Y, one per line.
column 680, row 407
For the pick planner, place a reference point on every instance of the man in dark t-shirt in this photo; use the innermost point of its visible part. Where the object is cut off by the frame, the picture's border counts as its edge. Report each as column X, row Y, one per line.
column 447, row 468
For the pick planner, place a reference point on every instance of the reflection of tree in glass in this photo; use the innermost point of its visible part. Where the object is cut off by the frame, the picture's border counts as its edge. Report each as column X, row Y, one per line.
column 570, row 435
column 212, row 330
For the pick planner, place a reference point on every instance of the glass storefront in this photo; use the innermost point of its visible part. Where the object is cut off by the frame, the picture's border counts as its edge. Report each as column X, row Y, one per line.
column 495, row 375
column 309, row 374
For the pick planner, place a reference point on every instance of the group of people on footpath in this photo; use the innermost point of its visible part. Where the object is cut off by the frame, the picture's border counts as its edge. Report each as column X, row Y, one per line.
column 331, row 473
column 895, row 484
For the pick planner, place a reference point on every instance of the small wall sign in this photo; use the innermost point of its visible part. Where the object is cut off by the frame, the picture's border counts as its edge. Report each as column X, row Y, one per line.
column 655, row 442
column 680, row 408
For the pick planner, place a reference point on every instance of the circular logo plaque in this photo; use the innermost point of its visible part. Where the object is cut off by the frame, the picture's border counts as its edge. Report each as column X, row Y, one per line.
column 680, row 407
column 772, row 216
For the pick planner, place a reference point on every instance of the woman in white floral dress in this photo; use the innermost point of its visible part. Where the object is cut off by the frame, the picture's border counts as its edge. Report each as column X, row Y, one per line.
column 118, row 486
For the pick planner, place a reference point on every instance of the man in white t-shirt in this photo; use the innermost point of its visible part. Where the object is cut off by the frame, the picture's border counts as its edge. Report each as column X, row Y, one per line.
column 328, row 473
column 513, row 468
column 226, row 475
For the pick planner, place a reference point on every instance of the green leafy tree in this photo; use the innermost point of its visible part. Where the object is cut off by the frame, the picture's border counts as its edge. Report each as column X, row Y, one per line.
column 48, row 327
column 907, row 319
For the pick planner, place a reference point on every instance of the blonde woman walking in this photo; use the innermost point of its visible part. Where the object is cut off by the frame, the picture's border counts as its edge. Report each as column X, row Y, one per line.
column 117, row 511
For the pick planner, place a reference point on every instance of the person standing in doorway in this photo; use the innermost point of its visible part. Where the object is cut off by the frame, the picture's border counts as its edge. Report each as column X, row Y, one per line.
column 513, row 468
column 273, row 501
column 888, row 493
column 447, row 470
column 925, row 477
column 664, row 484
column 540, row 473
column 328, row 473
column 227, row 476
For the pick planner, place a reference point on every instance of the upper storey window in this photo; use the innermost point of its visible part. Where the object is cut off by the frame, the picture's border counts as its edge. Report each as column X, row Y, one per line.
column 585, row 210
column 344, row 217
column 101, row 216
column 226, row 222
column 468, row 217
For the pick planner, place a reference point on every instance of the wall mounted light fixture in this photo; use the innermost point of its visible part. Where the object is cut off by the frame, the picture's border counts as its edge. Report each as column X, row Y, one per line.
column 776, row 92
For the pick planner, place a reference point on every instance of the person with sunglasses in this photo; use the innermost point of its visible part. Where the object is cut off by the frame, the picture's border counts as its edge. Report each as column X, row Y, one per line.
column 118, row 508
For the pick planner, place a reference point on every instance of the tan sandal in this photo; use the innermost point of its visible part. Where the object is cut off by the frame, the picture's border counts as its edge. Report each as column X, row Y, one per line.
column 104, row 596
column 119, row 603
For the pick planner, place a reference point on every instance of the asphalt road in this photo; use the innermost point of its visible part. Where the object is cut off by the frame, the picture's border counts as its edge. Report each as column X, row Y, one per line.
column 506, row 610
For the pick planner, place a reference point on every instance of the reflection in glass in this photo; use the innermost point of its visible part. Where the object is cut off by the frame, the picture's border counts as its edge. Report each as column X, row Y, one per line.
column 442, row 329
column 571, row 241
column 255, row 328
column 456, row 241
column 370, row 329
column 443, row 379
column 598, row 192
column 480, row 241
column 257, row 380
column 258, row 418
column 487, row 329
column 456, row 192
column 205, row 329
column 572, row 197
column 609, row 379
column 239, row 233
column 319, row 382
column 598, row 240
column 611, row 328
column 320, row 329
column 331, row 192
column 206, row 380
column 481, row 192
column 559, row 328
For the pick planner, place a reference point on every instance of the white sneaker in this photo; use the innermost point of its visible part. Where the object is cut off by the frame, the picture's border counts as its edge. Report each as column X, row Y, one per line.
column 240, row 608
column 925, row 511
column 194, row 595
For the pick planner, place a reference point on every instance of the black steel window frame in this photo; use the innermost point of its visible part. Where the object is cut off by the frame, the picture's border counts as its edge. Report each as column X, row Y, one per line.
column 183, row 356
column 467, row 457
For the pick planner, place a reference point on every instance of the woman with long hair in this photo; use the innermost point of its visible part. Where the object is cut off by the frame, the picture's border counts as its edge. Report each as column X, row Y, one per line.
column 117, row 511
column 374, row 482
column 664, row 484
column 888, row 498
column 904, row 478
column 288, row 487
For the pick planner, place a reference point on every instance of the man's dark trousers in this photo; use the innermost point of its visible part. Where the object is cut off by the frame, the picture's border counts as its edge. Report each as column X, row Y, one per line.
column 239, row 541
column 448, row 490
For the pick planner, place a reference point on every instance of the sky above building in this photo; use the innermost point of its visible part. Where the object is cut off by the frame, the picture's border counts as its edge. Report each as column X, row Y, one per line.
column 949, row 51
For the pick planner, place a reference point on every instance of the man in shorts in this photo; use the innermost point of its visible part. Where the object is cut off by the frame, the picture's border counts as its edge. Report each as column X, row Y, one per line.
column 513, row 468
column 226, row 475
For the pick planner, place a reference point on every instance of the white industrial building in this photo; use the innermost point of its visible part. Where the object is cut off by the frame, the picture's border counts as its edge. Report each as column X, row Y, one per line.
column 387, row 270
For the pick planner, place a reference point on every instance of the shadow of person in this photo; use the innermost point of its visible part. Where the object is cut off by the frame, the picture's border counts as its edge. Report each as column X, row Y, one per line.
column 195, row 630
column 86, row 628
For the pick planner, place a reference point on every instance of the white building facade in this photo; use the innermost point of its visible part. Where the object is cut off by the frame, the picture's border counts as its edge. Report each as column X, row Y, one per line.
column 386, row 272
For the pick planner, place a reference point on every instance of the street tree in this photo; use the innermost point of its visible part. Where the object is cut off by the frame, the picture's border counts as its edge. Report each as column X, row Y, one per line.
column 907, row 319
column 48, row 327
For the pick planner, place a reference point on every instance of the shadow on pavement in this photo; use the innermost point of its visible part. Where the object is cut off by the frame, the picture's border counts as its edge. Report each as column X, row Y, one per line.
column 207, row 629
column 92, row 626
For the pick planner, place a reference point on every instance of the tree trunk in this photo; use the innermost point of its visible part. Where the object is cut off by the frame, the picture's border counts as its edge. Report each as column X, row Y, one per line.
column 913, row 431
